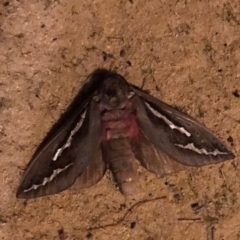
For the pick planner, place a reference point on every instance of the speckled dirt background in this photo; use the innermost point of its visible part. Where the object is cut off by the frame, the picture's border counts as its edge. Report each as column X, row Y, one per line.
column 185, row 52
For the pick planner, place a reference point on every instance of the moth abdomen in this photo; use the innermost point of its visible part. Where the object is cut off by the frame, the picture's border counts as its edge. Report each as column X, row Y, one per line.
column 121, row 161
column 119, row 127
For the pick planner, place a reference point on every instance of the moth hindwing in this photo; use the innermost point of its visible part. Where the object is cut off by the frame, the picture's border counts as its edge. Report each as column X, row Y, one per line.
column 110, row 124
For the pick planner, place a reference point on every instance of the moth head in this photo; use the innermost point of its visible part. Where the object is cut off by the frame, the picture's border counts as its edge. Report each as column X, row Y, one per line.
column 114, row 93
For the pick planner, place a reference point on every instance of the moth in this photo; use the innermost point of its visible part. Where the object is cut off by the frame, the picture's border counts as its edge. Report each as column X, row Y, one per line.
column 113, row 124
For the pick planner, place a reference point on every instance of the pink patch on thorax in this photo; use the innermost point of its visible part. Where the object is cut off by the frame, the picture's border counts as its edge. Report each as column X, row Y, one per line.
column 119, row 123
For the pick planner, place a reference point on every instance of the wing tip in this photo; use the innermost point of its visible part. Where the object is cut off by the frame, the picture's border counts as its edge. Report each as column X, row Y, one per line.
column 20, row 195
column 231, row 155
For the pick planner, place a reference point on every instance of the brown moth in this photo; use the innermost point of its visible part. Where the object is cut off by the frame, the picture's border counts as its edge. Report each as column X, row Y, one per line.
column 110, row 124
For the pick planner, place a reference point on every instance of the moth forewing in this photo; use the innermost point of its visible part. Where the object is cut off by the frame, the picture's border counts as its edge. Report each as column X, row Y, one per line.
column 179, row 136
column 64, row 158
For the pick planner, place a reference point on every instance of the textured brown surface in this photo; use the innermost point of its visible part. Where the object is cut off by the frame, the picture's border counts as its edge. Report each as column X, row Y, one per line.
column 186, row 52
